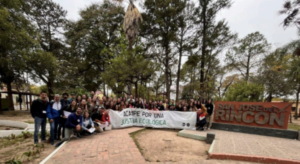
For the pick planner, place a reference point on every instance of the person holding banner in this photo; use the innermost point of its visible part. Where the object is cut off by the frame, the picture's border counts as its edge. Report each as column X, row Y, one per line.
column 201, row 120
column 106, row 119
column 140, row 105
column 97, row 118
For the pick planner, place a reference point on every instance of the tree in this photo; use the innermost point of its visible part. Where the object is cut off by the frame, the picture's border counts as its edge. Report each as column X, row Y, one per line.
column 213, row 36
column 243, row 91
column 295, row 76
column 247, row 54
column 273, row 74
column 186, row 38
column 293, row 72
column 16, row 42
column 225, row 82
column 50, row 20
column 92, row 39
column 291, row 10
column 132, row 22
column 161, row 20
column 128, row 67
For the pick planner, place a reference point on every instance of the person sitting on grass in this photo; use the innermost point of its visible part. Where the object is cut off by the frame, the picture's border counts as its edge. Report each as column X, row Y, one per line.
column 201, row 120
column 73, row 125
column 87, row 123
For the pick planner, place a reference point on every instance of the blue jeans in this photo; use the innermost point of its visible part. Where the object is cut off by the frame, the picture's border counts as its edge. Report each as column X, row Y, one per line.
column 54, row 129
column 39, row 122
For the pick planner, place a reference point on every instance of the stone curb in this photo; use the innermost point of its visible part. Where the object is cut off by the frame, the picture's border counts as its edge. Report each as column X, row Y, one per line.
column 53, row 153
column 182, row 133
column 211, row 147
column 250, row 158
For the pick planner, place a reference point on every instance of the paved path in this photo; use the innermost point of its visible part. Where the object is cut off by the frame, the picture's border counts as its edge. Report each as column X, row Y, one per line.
column 110, row 147
column 254, row 145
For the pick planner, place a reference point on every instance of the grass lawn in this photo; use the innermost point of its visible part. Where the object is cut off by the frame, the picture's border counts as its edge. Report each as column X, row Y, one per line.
column 293, row 126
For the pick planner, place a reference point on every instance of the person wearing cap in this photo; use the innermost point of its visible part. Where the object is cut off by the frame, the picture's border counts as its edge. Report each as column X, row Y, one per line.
column 97, row 119
column 73, row 97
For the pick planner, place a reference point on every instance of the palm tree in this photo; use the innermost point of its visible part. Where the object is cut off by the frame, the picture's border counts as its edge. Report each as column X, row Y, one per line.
column 291, row 10
column 132, row 21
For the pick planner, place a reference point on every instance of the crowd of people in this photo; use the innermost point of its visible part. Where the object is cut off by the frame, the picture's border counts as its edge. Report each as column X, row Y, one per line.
column 85, row 115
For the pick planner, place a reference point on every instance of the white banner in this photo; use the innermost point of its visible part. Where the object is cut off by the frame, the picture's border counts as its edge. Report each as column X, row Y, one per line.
column 157, row 119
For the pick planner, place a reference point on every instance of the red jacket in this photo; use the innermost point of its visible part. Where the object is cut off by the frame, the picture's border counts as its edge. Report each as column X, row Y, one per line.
column 105, row 118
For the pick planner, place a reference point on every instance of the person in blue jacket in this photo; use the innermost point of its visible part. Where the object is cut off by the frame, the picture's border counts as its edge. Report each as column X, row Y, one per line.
column 53, row 114
column 73, row 125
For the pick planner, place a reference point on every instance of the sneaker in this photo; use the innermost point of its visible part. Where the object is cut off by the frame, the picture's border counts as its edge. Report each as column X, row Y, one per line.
column 52, row 143
column 78, row 136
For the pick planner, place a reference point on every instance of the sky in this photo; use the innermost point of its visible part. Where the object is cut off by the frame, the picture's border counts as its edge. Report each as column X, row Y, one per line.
column 244, row 17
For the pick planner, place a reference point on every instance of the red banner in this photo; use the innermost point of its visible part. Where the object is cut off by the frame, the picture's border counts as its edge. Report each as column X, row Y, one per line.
column 260, row 114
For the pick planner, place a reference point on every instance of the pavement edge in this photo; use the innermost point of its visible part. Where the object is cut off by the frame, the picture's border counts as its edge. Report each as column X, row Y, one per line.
column 249, row 158
column 53, row 153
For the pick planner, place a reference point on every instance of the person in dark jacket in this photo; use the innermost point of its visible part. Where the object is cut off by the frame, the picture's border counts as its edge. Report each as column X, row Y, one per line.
column 139, row 105
column 201, row 120
column 38, row 111
column 97, row 118
column 65, row 102
column 160, row 106
column 179, row 108
column 63, row 119
column 53, row 114
column 73, row 125
column 210, row 113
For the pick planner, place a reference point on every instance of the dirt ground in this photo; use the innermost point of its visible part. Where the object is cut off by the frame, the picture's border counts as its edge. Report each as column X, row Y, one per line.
column 165, row 146
column 14, row 148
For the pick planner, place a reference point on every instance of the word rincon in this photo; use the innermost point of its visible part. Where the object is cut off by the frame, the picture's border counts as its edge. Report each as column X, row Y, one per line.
column 272, row 115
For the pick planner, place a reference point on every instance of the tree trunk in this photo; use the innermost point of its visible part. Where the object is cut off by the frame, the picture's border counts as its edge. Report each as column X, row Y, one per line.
column 136, row 89
column 203, row 49
column 297, row 101
column 178, row 72
column 269, row 98
column 248, row 71
column 50, row 90
column 104, row 91
column 167, row 74
column 10, row 97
